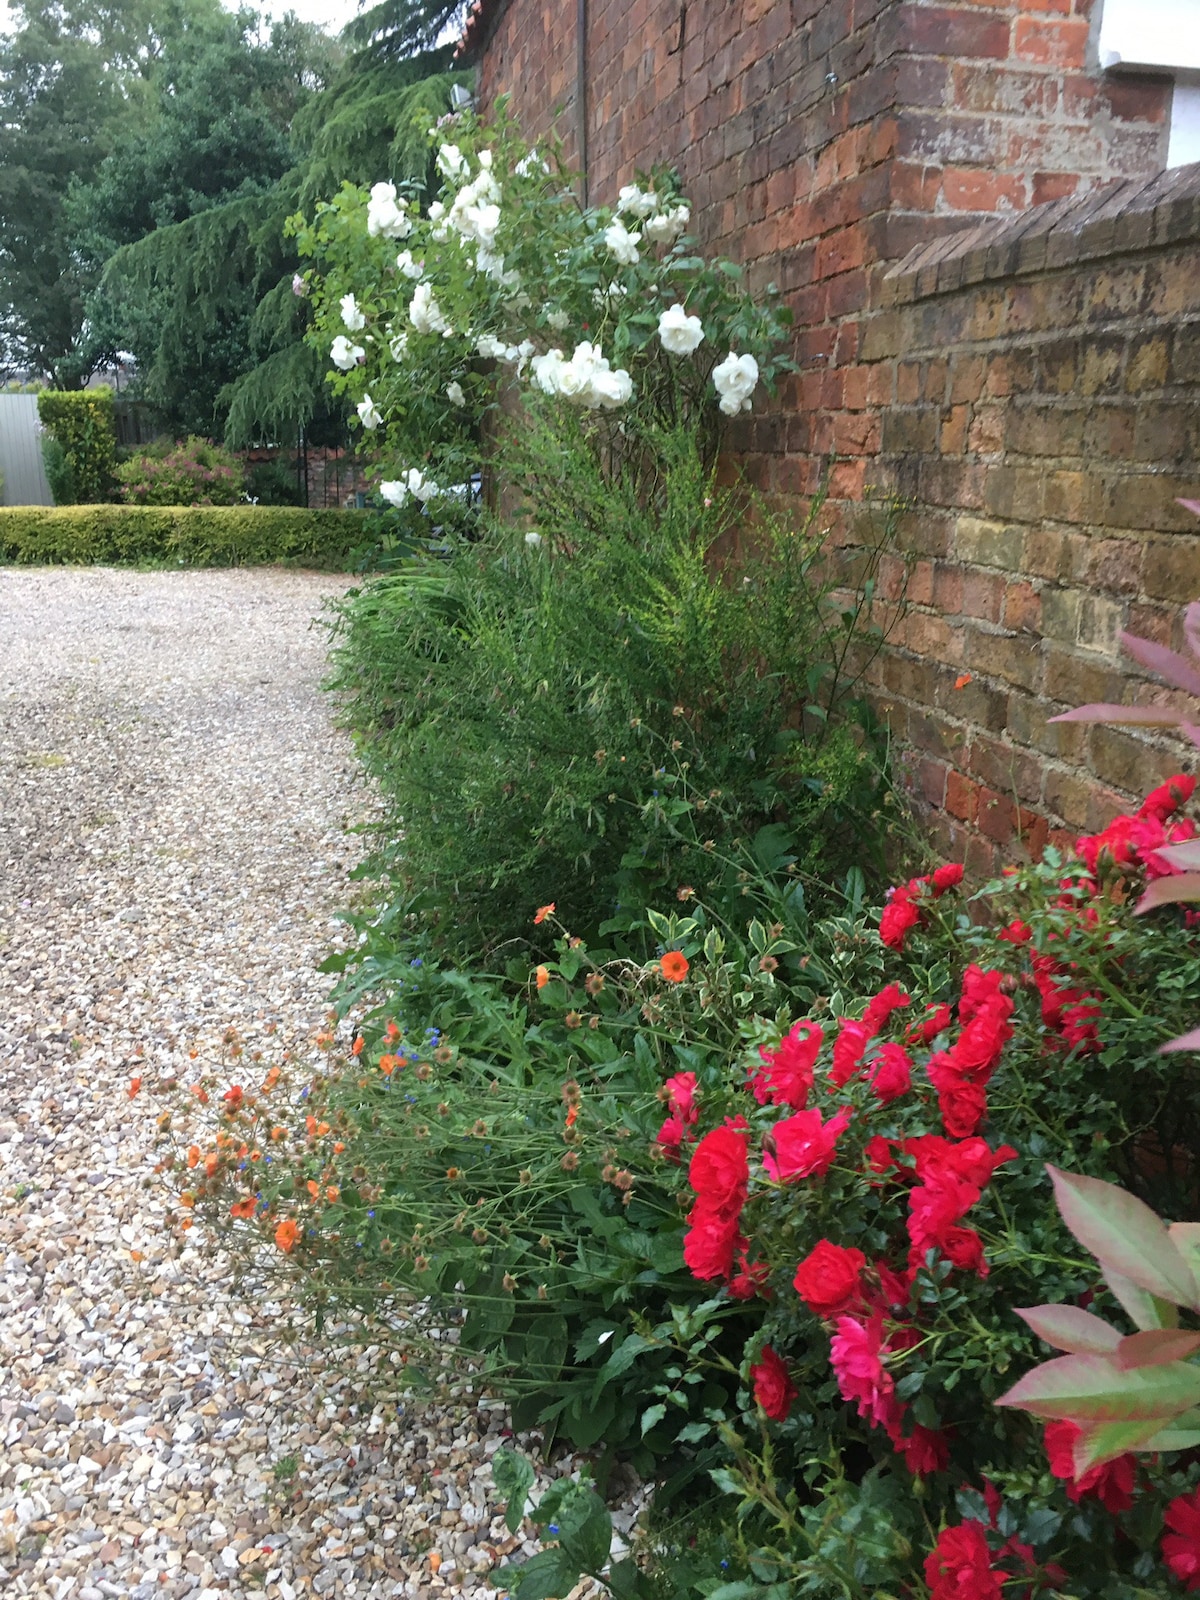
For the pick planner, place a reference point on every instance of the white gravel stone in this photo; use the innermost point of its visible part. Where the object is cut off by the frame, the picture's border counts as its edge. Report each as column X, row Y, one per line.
column 174, row 802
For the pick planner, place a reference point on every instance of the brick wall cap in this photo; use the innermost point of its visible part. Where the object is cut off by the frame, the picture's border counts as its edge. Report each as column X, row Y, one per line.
column 1076, row 227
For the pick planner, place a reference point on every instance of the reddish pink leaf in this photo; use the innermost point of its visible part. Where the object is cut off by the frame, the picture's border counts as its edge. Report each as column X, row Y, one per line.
column 1191, row 621
column 1142, row 716
column 1167, row 663
column 1094, row 1389
column 1183, row 855
column 1154, row 1347
column 1102, row 1441
column 1176, row 890
column 1123, row 1233
column 1071, row 1328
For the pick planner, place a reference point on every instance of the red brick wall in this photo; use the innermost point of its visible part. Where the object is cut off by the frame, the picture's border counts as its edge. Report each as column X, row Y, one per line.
column 821, row 142
column 1044, row 414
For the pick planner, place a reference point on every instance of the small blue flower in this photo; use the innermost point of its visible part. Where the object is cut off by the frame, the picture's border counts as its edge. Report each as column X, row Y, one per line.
column 724, row 1563
column 553, row 1527
column 371, row 1214
column 416, row 962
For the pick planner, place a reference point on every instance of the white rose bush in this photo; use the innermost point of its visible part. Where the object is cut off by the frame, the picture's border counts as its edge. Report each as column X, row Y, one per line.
column 511, row 317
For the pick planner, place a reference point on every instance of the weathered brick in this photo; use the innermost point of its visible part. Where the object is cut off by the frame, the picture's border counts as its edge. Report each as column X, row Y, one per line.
column 989, row 544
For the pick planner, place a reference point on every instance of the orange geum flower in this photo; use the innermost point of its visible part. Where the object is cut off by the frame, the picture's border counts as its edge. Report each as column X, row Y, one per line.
column 356, row 1049
column 278, row 1133
column 674, row 966
column 310, row 1124
column 542, row 913
column 387, row 1065
column 134, row 1085
column 193, row 1155
column 211, row 1163
column 542, row 975
column 243, row 1208
column 234, row 1096
column 331, row 1193
column 286, row 1235
column 392, row 1032
column 187, row 1198
column 313, row 1187
column 338, row 1148
column 322, row 1128
column 572, row 1114
column 271, row 1079
column 200, row 1092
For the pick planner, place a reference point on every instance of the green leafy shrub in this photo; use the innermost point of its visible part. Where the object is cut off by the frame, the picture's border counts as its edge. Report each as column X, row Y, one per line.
column 60, row 471
column 81, row 423
column 195, row 472
column 840, row 1132
column 272, row 483
column 591, row 711
column 189, row 535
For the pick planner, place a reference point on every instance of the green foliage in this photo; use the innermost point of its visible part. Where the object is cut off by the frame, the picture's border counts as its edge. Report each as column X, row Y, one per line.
column 491, row 1153
column 81, row 423
column 195, row 472
column 595, row 719
column 60, row 472
column 229, row 536
column 73, row 83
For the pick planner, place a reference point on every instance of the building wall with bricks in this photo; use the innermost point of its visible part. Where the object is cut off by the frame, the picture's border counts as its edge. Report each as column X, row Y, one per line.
column 831, row 146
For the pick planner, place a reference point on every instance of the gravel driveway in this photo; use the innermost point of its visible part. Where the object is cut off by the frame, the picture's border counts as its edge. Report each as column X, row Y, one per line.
column 173, row 801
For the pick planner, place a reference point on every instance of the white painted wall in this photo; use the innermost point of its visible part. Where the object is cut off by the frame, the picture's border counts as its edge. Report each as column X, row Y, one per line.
column 1184, row 146
column 1151, row 33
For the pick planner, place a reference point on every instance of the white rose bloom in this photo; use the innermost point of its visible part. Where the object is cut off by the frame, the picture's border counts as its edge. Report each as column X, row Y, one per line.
column 679, row 333
column 410, row 268
column 524, row 351
column 421, row 487
column 369, row 413
column 610, row 389
column 345, row 355
column 455, row 395
column 533, row 539
column 386, row 213
column 424, row 313
column 735, row 381
column 489, row 347
column 637, row 202
column 485, row 160
column 614, row 293
column 622, row 244
column 399, row 346
column 557, row 320
column 451, row 162
column 545, row 370
column 666, row 228
column 437, row 211
column 395, row 492
column 351, row 315
column 530, row 163
column 490, row 264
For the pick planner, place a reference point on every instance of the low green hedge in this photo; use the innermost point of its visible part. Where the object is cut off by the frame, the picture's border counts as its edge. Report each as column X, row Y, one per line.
column 196, row 536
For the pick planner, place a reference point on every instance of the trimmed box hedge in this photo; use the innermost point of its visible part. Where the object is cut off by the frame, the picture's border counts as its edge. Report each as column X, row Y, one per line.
column 196, row 536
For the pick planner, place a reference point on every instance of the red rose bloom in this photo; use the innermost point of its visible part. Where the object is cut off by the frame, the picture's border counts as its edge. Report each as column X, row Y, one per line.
column 1111, row 1482
column 710, row 1244
column 891, row 1073
column 829, row 1279
column 854, row 1354
column 1181, row 1547
column 786, row 1075
column 848, row 1050
column 936, row 1020
column 879, row 1009
column 898, row 919
column 720, row 1171
column 959, row 1567
column 804, row 1145
column 1160, row 803
column 924, row 1451
column 947, row 877
column 773, row 1389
